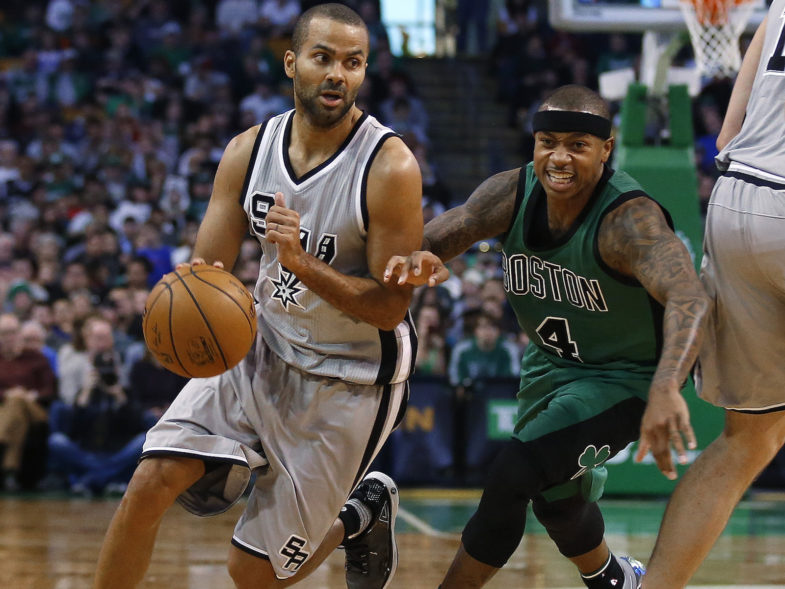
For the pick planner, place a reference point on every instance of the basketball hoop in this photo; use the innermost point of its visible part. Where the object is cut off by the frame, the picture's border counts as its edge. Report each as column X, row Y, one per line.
column 715, row 27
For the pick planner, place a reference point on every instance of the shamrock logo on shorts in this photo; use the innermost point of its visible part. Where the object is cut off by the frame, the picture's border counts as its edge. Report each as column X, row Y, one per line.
column 592, row 458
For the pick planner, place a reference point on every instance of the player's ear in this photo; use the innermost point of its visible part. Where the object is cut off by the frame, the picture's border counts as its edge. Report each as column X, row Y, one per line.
column 289, row 60
column 607, row 148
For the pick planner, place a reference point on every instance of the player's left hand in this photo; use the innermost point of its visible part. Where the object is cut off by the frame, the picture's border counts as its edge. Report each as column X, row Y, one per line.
column 283, row 229
column 197, row 262
column 418, row 268
column 666, row 425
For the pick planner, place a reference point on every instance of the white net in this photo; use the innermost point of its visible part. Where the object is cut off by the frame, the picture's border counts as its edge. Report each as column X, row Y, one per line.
column 715, row 27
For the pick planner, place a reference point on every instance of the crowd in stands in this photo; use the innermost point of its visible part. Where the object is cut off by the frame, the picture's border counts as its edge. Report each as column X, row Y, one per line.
column 113, row 117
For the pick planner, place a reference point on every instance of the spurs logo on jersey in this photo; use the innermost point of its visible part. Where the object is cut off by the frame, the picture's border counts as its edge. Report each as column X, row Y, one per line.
column 525, row 275
column 330, row 199
column 287, row 286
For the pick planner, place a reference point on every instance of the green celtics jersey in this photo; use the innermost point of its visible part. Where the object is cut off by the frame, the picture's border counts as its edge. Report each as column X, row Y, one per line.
column 578, row 312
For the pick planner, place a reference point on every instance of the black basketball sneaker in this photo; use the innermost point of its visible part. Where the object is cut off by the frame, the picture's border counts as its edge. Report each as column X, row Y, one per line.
column 372, row 557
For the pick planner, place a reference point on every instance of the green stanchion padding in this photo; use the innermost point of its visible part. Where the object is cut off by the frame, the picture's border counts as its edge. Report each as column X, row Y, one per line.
column 680, row 120
column 668, row 174
column 633, row 113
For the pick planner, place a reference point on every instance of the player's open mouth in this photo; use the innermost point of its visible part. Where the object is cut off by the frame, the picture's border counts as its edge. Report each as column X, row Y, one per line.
column 331, row 98
column 557, row 177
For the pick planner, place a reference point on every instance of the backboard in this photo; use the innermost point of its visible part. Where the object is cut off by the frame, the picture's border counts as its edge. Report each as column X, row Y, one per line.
column 631, row 16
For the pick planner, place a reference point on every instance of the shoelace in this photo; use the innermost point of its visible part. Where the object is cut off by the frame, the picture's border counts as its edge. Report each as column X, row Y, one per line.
column 357, row 558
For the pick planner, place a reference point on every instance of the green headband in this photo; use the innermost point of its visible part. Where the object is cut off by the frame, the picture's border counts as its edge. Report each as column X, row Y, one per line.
column 570, row 121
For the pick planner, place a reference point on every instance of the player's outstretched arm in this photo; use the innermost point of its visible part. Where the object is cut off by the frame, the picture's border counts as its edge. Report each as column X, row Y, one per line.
column 487, row 213
column 635, row 240
column 225, row 224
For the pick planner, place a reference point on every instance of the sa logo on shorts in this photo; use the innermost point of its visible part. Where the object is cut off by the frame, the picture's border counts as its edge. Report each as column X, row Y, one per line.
column 292, row 550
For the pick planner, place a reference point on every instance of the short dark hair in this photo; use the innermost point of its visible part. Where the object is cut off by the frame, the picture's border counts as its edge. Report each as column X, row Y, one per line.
column 576, row 98
column 332, row 11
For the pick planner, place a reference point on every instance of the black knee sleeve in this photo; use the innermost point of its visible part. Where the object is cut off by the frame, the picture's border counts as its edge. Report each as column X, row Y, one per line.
column 495, row 530
column 574, row 525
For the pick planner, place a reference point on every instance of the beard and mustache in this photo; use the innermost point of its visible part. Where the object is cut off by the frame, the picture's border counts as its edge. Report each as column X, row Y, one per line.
column 319, row 114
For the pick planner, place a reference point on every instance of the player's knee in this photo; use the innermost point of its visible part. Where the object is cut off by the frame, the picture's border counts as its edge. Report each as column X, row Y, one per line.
column 753, row 439
column 494, row 532
column 575, row 526
column 157, row 482
column 513, row 476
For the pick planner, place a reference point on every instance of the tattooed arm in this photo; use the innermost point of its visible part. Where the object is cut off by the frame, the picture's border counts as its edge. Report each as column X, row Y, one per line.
column 486, row 213
column 635, row 240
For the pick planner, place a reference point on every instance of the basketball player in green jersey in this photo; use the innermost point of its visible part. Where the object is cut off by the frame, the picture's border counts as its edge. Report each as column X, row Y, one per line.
column 741, row 361
column 613, row 307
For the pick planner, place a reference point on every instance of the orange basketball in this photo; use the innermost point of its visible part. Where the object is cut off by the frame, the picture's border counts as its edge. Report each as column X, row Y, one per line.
column 199, row 321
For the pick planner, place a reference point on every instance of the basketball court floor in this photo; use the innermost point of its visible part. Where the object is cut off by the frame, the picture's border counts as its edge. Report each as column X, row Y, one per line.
column 52, row 542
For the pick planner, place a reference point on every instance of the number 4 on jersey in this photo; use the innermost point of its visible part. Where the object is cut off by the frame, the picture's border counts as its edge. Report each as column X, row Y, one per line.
column 554, row 333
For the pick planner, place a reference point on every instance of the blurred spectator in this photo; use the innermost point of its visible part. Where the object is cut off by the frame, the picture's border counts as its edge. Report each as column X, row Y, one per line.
column 203, row 80
column 27, row 387
column 96, row 436
column 62, row 324
column 402, row 110
column 232, row 16
column 9, row 165
column 19, row 300
column 484, row 355
column 617, row 56
column 152, row 388
column 277, row 17
column 59, row 14
column 139, row 271
column 200, row 189
column 150, row 245
column 434, row 190
column 708, row 124
column 118, row 309
column 187, row 238
column 68, row 86
column 264, row 102
column 75, row 278
column 492, row 292
column 137, row 207
column 34, row 336
column 432, row 351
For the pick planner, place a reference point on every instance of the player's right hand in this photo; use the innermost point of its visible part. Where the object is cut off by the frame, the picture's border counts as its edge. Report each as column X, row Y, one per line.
column 420, row 267
column 666, row 425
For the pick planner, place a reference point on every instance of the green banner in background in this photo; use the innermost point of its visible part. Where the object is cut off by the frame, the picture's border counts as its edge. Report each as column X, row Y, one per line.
column 501, row 415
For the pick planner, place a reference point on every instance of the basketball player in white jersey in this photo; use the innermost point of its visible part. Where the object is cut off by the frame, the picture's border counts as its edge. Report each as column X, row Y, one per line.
column 741, row 363
column 330, row 194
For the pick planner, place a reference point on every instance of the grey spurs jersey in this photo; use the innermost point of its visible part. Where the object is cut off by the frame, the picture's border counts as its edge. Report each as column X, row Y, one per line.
column 759, row 148
column 301, row 327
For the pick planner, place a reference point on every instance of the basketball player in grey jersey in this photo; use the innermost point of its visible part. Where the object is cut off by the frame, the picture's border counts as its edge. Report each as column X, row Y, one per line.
column 300, row 326
column 740, row 366
column 331, row 195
